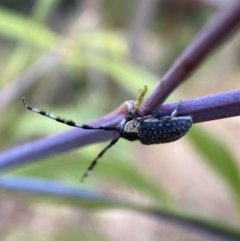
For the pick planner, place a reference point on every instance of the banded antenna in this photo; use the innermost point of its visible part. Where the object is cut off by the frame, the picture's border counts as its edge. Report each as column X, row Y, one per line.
column 81, row 126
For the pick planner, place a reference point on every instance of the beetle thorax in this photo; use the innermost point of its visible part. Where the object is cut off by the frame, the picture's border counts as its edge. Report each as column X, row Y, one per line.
column 130, row 130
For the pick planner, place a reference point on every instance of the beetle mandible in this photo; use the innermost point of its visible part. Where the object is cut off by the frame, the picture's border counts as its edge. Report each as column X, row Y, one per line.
column 150, row 129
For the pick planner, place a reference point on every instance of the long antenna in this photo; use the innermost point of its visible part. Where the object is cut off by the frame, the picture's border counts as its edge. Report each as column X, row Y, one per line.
column 67, row 122
column 95, row 161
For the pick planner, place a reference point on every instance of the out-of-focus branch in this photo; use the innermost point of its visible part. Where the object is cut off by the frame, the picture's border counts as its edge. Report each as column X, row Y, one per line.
column 143, row 13
column 17, row 86
column 206, row 108
column 52, row 58
column 79, row 197
column 208, row 39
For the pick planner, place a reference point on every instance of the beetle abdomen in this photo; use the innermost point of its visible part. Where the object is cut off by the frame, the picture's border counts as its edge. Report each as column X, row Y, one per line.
column 162, row 131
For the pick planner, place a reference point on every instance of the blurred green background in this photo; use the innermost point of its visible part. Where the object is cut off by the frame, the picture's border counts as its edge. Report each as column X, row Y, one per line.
column 81, row 60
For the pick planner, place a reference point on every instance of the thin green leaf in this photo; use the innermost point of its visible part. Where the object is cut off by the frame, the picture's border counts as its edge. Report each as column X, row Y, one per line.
column 43, row 7
column 218, row 156
column 18, row 26
column 126, row 74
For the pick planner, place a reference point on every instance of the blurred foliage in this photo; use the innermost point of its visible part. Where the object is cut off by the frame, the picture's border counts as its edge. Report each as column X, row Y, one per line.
column 97, row 72
column 219, row 157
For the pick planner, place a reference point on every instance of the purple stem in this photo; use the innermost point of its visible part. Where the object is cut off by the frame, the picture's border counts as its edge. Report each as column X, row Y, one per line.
column 201, row 109
column 208, row 39
column 206, row 108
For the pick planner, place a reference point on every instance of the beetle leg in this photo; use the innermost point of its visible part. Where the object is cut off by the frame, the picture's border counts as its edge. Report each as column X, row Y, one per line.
column 176, row 110
column 174, row 113
column 132, row 115
column 131, row 109
column 156, row 114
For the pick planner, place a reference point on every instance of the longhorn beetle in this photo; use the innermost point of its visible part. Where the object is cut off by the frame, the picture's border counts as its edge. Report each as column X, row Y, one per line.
column 150, row 129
